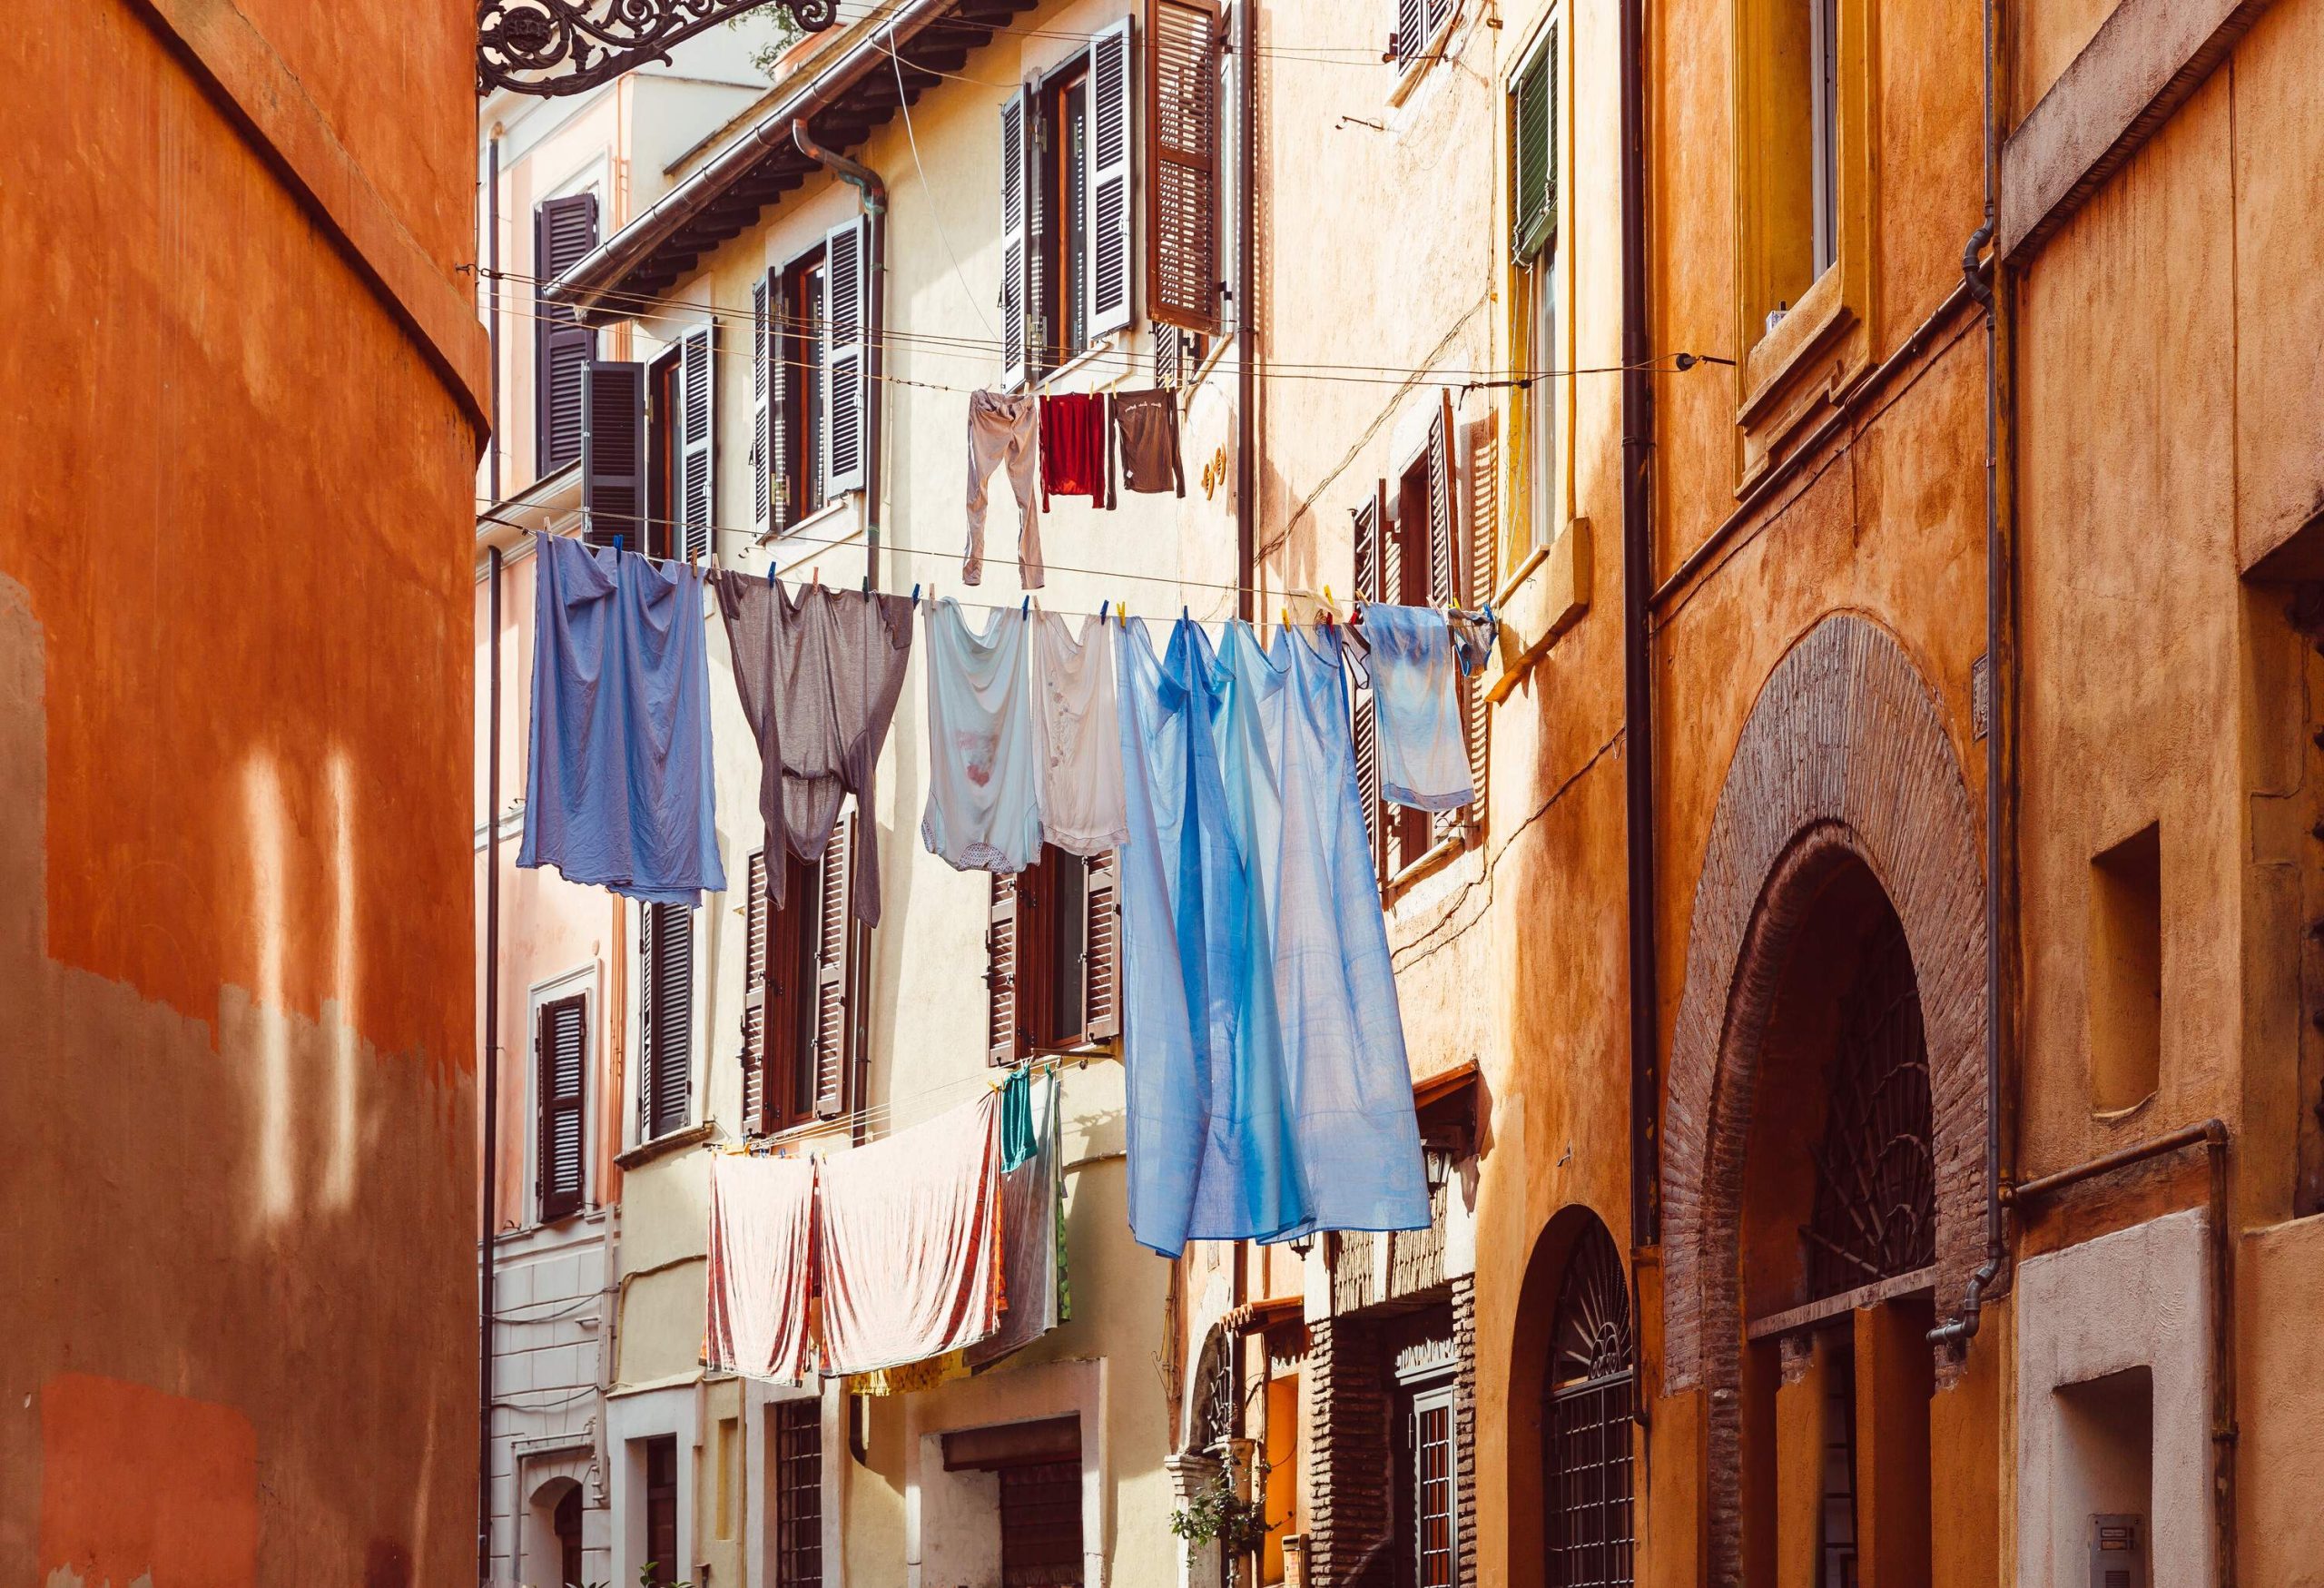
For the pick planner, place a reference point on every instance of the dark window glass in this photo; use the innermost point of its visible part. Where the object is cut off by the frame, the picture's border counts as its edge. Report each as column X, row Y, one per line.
column 662, row 1511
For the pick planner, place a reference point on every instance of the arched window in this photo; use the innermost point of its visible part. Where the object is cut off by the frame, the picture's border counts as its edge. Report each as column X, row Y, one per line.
column 1588, row 1396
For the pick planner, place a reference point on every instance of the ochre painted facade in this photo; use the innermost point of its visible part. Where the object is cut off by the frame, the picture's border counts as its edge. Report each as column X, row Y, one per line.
column 244, row 404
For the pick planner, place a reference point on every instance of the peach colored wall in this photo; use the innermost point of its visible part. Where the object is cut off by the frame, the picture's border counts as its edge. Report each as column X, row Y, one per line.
column 238, row 1150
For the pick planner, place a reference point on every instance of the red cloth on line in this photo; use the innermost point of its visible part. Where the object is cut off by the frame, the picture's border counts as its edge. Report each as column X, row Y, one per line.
column 1076, row 447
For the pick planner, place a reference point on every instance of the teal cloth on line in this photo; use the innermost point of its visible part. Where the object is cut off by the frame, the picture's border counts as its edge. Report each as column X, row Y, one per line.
column 1017, row 1142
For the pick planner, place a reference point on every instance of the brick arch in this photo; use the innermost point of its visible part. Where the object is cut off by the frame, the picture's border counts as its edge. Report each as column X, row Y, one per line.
column 1844, row 755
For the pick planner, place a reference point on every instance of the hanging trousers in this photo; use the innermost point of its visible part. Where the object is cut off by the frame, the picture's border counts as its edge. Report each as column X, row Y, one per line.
column 1005, row 428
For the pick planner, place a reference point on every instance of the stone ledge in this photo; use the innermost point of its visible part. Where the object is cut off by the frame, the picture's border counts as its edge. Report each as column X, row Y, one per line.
column 1548, row 595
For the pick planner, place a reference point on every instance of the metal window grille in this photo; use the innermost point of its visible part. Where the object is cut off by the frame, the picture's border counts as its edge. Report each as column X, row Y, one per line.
column 1588, row 1477
column 798, row 1494
column 1434, row 1552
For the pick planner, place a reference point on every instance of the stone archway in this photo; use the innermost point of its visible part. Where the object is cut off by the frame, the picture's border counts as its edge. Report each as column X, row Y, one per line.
column 1843, row 758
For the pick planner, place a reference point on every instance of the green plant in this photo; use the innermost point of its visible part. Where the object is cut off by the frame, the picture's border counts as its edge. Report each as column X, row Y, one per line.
column 1216, row 1513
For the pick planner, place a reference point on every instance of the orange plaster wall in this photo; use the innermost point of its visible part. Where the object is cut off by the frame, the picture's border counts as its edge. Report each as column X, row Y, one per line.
column 236, row 1144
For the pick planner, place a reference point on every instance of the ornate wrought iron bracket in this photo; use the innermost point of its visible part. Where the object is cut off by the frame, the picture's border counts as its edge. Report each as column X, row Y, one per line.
column 568, row 47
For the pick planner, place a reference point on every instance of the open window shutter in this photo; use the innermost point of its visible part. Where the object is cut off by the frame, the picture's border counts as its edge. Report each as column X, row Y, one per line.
column 613, row 453
column 1016, row 235
column 564, row 231
column 698, row 440
column 1411, row 32
column 1101, row 963
column 1445, row 586
column 1003, row 1040
column 1440, row 12
column 832, row 1030
column 561, row 1048
column 762, row 348
column 1370, row 533
column 1110, row 144
column 1482, row 574
column 754, row 1000
column 1533, row 166
column 665, row 1088
column 845, row 296
column 1182, row 272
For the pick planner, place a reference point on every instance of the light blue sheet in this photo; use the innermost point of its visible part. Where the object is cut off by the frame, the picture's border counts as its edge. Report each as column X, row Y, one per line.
column 618, row 791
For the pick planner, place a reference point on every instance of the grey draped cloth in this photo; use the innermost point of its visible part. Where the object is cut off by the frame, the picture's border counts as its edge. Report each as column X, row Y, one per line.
column 819, row 671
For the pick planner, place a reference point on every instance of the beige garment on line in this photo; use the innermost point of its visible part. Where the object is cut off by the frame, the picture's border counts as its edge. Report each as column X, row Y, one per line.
column 1005, row 428
column 910, row 1242
column 1078, row 728
column 761, row 1224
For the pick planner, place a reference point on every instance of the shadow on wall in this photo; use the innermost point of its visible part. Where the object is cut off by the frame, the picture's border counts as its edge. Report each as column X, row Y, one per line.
column 229, row 1358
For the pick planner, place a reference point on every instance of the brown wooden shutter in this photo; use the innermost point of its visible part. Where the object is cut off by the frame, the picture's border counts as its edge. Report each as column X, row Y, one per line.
column 1371, row 541
column 613, row 453
column 1444, row 583
column 832, row 1030
column 561, row 1049
column 665, row 1091
column 1004, row 1037
column 1182, row 138
column 755, row 1108
column 1101, row 953
column 564, row 231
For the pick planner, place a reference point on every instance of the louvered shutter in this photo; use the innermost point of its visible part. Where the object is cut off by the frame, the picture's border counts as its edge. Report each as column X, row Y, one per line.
column 1481, row 575
column 1370, row 537
column 1445, row 587
column 1016, row 236
column 1182, row 271
column 1004, row 1041
column 1533, row 161
column 698, row 440
column 755, row 1110
column 665, row 1085
column 1101, row 961
column 1108, row 147
column 613, row 453
column 831, row 1032
column 762, row 351
column 1440, row 12
column 1410, row 22
column 846, row 302
column 564, row 231
column 785, row 339
column 1169, row 355
column 561, row 1053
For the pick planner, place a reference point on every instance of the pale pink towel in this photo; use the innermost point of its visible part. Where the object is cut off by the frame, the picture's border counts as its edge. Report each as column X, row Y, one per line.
column 761, row 1230
column 911, row 1247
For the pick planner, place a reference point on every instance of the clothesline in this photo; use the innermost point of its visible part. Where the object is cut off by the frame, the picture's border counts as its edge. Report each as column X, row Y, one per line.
column 876, row 1117
column 903, row 551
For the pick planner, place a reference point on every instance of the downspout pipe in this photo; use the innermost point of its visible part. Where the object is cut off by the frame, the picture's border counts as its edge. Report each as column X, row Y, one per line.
column 1638, row 587
column 1979, row 279
column 492, row 315
column 1247, row 320
column 867, row 180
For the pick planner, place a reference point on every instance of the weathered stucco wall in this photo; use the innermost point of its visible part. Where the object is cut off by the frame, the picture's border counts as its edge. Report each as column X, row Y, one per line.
column 239, row 1150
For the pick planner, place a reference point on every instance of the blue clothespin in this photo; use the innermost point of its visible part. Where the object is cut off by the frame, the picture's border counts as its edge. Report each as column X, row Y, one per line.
column 1103, row 612
column 1027, row 609
column 1185, row 614
column 769, row 573
column 617, row 540
column 915, row 594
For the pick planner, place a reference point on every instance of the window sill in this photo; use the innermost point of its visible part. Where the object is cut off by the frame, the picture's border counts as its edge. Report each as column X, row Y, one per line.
column 1547, row 595
column 807, row 537
column 1795, row 371
column 1108, row 346
column 645, row 1152
column 1432, row 860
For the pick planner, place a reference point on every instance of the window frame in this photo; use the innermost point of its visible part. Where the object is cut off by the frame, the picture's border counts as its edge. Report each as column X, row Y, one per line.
column 1031, row 964
column 650, row 1127
column 665, row 447
column 1825, row 339
column 795, row 1434
column 803, row 343
column 787, row 1083
column 1538, row 327
column 576, row 987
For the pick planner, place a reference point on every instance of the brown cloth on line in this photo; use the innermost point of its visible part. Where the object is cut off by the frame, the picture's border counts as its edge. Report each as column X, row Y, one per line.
column 1146, row 439
column 818, row 673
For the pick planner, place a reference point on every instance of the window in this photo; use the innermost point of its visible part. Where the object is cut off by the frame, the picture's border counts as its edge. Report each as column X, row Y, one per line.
column 566, row 1524
column 648, row 450
column 1534, row 251
column 1041, row 1524
column 662, row 1566
column 1409, row 552
column 665, row 1079
column 802, row 966
column 1182, row 158
column 1053, row 949
column 614, row 490
column 1428, row 1427
column 2125, row 960
column 1423, row 1357
column 1586, row 1421
column 1419, row 24
column 1065, row 151
column 560, row 1059
column 808, row 381
column 564, row 231
column 798, row 1431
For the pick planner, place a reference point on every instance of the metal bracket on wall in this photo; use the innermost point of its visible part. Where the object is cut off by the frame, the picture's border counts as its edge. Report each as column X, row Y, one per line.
column 552, row 47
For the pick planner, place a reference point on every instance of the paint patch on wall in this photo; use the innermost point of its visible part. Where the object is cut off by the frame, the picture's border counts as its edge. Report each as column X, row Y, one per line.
column 138, row 1484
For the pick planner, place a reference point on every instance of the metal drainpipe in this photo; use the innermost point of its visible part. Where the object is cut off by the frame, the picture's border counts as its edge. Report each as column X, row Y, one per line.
column 1956, row 1333
column 491, row 1196
column 1247, row 322
column 875, row 269
column 492, row 316
column 1637, row 695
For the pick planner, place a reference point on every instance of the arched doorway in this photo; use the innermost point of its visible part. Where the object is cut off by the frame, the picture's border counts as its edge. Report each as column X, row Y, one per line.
column 1588, row 1396
column 565, row 1523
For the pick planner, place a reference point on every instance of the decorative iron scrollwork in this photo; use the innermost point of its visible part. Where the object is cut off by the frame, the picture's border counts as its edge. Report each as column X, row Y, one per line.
column 568, row 47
